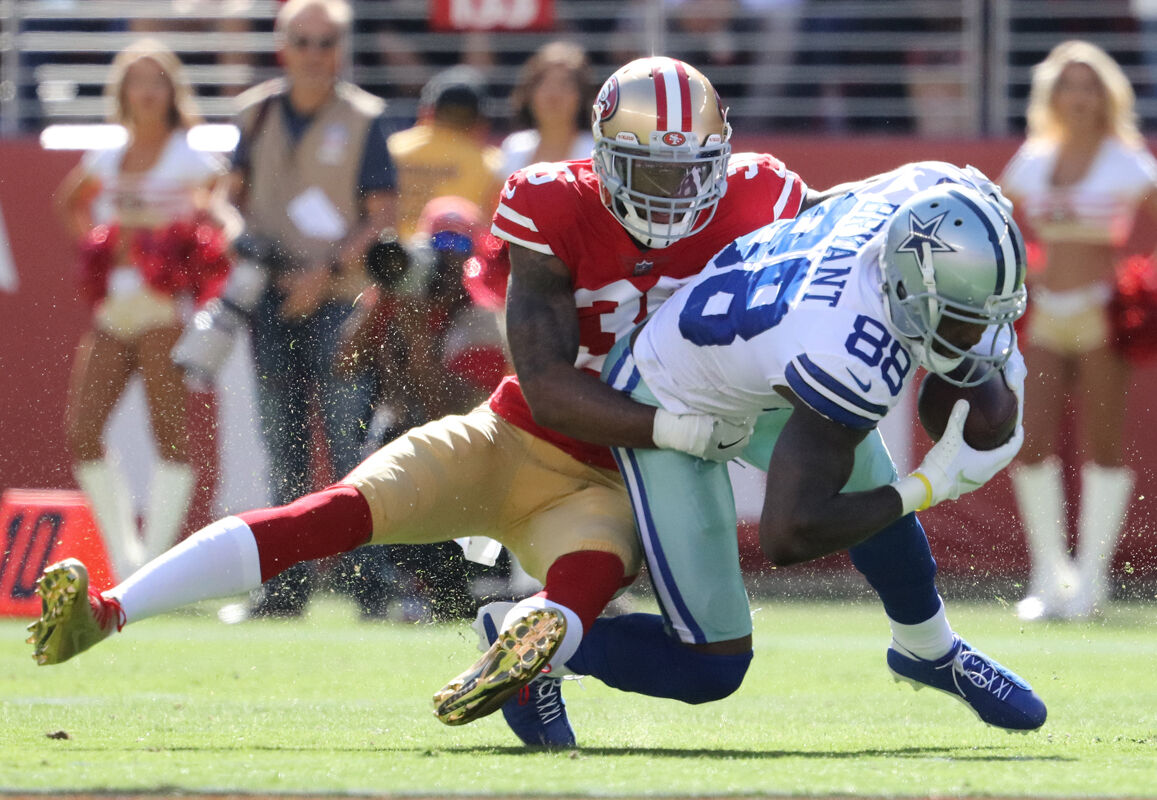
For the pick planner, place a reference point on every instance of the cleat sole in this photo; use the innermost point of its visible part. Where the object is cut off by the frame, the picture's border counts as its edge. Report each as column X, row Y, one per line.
column 918, row 686
column 63, row 629
column 514, row 660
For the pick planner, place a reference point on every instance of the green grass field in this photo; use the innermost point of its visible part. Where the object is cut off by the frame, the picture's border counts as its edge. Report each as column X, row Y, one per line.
column 331, row 705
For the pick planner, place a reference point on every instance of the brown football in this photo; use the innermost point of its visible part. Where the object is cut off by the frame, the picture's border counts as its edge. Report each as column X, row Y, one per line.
column 991, row 414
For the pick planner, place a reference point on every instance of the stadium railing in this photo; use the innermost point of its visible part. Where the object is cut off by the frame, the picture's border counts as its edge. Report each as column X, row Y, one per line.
column 936, row 68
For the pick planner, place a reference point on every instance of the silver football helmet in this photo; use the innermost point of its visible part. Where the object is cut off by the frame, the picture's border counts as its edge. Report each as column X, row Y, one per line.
column 952, row 253
column 661, row 149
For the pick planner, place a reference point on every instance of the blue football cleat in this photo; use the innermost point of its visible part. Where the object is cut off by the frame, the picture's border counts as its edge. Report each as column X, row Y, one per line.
column 537, row 714
column 998, row 696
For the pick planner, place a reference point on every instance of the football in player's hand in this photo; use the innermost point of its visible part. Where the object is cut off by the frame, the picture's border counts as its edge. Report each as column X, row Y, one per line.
column 991, row 415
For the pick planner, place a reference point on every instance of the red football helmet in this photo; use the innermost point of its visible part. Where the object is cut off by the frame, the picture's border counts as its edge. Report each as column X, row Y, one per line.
column 661, row 149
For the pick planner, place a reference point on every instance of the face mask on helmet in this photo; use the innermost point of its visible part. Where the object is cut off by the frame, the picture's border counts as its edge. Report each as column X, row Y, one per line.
column 953, row 263
column 661, row 149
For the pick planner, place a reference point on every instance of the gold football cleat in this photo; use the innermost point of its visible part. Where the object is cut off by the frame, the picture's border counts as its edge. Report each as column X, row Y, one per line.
column 72, row 619
column 514, row 660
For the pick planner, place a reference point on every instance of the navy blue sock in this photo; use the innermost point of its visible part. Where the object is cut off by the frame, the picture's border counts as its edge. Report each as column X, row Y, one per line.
column 899, row 566
column 634, row 653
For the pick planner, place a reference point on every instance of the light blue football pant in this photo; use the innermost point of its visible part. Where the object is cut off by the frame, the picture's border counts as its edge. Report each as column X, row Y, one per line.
column 685, row 515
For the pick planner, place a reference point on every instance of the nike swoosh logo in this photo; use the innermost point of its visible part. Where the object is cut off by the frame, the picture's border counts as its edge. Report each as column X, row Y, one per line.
column 723, row 446
column 860, row 383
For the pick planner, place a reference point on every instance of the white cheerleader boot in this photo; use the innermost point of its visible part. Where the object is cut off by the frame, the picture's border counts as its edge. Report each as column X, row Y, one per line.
column 170, row 491
column 1040, row 498
column 1105, row 493
column 108, row 494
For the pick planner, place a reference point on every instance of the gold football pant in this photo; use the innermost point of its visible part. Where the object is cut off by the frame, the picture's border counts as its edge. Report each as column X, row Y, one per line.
column 476, row 474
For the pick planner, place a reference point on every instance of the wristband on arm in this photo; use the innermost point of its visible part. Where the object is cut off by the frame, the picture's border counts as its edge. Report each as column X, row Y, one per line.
column 915, row 493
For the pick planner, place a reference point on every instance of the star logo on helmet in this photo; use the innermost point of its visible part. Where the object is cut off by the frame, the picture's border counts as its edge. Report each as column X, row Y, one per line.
column 922, row 240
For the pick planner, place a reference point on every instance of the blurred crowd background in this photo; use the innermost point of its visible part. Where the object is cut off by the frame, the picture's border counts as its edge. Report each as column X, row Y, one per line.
column 938, row 68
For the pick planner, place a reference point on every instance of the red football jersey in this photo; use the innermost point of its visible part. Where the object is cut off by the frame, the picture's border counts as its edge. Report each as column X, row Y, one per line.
column 557, row 209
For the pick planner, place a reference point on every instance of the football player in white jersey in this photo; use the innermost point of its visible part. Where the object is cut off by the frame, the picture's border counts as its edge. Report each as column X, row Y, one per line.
column 813, row 327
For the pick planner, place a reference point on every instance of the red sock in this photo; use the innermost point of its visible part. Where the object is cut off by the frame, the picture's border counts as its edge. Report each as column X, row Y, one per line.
column 585, row 582
column 334, row 520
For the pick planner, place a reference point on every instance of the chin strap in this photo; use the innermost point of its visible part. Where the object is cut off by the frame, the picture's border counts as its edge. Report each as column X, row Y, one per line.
column 941, row 365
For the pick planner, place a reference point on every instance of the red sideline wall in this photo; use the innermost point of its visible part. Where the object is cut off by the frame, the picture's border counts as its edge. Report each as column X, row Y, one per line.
column 41, row 321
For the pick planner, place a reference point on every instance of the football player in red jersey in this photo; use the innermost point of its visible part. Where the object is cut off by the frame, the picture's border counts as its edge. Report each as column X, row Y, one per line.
column 594, row 246
column 578, row 284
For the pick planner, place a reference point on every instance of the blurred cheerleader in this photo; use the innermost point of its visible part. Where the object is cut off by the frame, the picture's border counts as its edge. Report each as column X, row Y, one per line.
column 1077, row 181
column 147, row 253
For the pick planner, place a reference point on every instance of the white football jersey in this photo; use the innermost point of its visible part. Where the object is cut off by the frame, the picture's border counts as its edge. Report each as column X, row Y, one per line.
column 795, row 304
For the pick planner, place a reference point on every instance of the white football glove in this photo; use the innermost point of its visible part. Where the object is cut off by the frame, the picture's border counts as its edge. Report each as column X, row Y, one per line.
column 701, row 435
column 952, row 468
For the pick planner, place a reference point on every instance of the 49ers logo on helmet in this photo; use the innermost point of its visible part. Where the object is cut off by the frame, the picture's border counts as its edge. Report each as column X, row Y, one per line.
column 608, row 100
column 674, row 139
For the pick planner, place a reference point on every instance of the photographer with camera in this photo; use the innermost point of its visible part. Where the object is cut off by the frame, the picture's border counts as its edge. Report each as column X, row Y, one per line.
column 314, row 183
column 432, row 352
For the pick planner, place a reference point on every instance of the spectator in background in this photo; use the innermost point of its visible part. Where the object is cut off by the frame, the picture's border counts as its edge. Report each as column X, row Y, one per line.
column 1078, row 181
column 445, row 152
column 313, row 179
column 455, row 357
column 133, row 210
column 551, row 104
column 434, row 353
